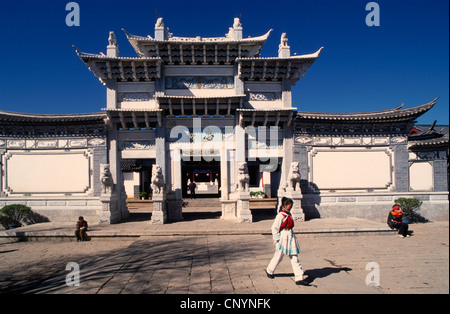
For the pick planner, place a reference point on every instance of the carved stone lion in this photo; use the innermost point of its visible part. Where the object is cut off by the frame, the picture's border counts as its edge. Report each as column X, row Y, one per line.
column 243, row 179
column 293, row 183
column 159, row 22
column 112, row 39
column 106, row 179
column 237, row 23
column 284, row 40
column 157, row 183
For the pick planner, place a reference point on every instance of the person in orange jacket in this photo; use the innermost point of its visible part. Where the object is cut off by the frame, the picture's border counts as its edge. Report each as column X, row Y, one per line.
column 395, row 221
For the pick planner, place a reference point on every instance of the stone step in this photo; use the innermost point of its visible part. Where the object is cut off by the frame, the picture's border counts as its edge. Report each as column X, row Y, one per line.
column 202, row 203
column 67, row 234
column 213, row 203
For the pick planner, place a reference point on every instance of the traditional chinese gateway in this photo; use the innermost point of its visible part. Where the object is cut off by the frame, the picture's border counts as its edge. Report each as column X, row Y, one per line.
column 211, row 110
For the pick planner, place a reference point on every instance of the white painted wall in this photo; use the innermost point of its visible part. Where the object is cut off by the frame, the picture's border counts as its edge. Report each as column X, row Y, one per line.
column 421, row 176
column 47, row 172
column 341, row 169
column 130, row 179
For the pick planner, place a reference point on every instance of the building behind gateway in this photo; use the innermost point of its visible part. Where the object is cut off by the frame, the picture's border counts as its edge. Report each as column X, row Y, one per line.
column 211, row 110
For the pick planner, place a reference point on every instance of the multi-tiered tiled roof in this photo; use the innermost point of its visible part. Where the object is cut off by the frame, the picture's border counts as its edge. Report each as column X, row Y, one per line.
column 25, row 125
column 164, row 48
column 197, row 50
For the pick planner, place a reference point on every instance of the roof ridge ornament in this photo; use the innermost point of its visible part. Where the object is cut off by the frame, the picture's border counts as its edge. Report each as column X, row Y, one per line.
column 112, row 50
column 237, row 23
column 161, row 32
column 159, row 22
column 235, row 32
column 112, row 39
column 284, row 50
column 399, row 107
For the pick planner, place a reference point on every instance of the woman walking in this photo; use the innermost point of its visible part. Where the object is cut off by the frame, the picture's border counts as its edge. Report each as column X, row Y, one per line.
column 285, row 242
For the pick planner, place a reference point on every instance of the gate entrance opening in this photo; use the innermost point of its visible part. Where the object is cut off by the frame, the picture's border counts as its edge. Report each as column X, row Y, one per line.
column 205, row 174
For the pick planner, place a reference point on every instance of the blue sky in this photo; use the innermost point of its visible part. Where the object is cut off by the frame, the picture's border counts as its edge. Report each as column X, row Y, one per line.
column 404, row 60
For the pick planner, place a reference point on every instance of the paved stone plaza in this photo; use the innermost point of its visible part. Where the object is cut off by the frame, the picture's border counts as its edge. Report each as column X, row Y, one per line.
column 230, row 264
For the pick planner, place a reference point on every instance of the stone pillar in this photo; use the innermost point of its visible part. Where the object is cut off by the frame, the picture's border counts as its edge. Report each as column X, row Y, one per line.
column 176, row 180
column 122, row 197
column 288, row 144
column 175, row 199
column 227, row 162
column 111, row 95
column 227, row 169
column 160, row 147
column 224, row 176
column 286, row 93
column 240, row 140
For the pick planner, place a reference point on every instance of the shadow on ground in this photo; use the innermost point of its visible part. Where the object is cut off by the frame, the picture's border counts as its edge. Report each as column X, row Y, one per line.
column 148, row 265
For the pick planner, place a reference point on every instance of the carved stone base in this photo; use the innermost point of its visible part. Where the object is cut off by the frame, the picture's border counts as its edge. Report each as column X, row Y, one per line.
column 159, row 213
column 228, row 209
column 110, row 211
column 296, row 211
column 243, row 207
column 158, row 217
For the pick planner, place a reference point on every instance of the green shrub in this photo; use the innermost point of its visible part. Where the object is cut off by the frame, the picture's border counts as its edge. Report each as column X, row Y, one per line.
column 15, row 215
column 143, row 195
column 410, row 208
column 257, row 194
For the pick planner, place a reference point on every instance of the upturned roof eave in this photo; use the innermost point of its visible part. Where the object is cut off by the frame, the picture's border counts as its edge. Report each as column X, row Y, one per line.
column 15, row 117
column 431, row 142
column 84, row 56
column 395, row 114
column 312, row 56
